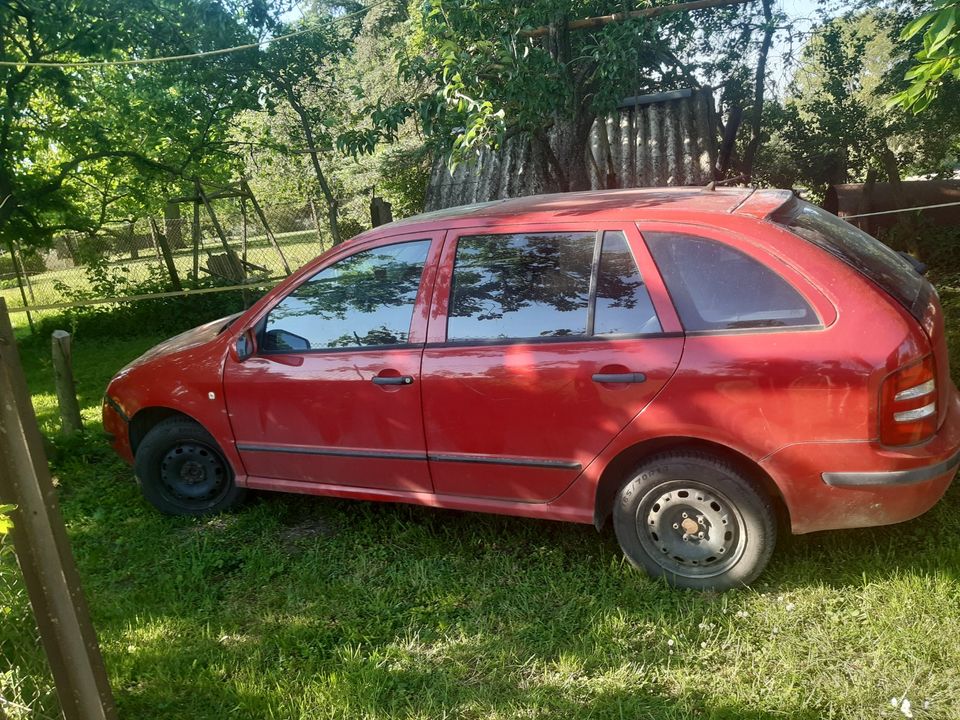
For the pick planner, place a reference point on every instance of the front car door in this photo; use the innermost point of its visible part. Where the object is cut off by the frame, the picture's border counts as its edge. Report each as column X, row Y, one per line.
column 544, row 342
column 332, row 394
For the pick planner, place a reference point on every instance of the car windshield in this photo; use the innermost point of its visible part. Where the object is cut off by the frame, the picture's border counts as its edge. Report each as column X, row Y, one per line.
column 872, row 258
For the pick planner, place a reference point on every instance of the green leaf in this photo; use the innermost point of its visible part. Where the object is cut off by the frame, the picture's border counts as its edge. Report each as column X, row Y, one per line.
column 6, row 524
column 917, row 25
column 940, row 30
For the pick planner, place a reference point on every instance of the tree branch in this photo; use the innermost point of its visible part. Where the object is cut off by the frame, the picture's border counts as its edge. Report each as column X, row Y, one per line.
column 71, row 165
column 597, row 22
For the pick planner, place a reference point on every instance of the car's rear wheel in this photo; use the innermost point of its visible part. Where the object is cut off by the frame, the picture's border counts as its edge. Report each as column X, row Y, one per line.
column 182, row 470
column 696, row 521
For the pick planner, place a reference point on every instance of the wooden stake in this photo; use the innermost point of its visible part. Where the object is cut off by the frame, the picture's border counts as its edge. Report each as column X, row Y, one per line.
column 23, row 293
column 231, row 253
column 160, row 240
column 43, row 550
column 316, row 222
column 70, row 420
column 266, row 226
column 196, row 232
column 243, row 229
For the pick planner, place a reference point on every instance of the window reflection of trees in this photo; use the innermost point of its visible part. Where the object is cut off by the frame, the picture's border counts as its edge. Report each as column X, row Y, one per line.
column 496, row 275
column 339, row 305
column 619, row 281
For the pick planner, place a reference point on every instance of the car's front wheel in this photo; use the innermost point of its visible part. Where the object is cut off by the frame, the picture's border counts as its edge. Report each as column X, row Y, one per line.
column 182, row 470
column 696, row 521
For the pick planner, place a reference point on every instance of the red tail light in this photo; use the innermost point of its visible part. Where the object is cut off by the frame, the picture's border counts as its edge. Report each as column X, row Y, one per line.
column 908, row 404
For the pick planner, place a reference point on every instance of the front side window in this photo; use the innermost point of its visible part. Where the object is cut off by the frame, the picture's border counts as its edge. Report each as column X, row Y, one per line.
column 364, row 300
column 716, row 287
column 528, row 285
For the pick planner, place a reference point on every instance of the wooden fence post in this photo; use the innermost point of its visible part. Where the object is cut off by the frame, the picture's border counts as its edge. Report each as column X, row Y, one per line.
column 70, row 420
column 43, row 550
column 19, row 274
column 381, row 212
column 316, row 222
column 266, row 226
column 196, row 232
column 218, row 228
column 161, row 241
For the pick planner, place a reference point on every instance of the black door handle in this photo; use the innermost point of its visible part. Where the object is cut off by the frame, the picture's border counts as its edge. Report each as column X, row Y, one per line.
column 627, row 377
column 396, row 380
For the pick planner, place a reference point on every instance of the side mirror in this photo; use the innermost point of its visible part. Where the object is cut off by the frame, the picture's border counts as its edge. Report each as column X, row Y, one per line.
column 245, row 346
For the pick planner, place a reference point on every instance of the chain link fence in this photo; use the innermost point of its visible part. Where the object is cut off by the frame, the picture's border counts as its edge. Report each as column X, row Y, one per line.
column 26, row 684
column 238, row 244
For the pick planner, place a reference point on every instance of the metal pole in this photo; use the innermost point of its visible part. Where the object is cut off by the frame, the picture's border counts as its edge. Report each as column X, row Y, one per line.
column 43, row 551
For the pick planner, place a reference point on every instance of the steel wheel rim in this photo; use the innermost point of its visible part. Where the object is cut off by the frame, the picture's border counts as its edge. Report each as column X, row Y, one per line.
column 193, row 474
column 690, row 529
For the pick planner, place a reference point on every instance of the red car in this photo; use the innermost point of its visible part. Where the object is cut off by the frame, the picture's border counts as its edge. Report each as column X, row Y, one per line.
column 707, row 367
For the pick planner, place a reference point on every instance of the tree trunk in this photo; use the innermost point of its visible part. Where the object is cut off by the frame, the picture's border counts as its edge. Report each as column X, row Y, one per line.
column 729, row 141
column 333, row 205
column 756, row 112
column 562, row 152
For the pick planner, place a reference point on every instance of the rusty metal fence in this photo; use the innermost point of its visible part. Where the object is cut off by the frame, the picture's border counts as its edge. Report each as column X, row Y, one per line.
column 240, row 245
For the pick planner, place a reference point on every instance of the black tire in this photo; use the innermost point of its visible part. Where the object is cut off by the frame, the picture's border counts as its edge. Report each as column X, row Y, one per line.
column 182, row 471
column 668, row 519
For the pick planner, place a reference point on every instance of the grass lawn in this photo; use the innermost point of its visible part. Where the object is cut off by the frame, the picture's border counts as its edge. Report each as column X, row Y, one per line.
column 297, row 607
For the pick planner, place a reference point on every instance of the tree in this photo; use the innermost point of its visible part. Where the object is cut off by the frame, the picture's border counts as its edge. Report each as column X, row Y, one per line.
column 80, row 143
column 301, row 75
column 331, row 104
column 499, row 76
column 937, row 69
column 836, row 125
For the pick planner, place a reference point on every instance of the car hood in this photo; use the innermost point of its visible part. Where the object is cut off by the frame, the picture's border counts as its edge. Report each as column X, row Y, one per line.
column 185, row 340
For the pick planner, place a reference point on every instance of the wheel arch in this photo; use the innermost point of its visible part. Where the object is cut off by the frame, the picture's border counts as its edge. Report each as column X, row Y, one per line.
column 617, row 471
column 147, row 418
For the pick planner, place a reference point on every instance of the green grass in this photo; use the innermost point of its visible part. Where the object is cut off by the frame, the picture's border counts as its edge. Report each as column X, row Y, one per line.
column 299, row 607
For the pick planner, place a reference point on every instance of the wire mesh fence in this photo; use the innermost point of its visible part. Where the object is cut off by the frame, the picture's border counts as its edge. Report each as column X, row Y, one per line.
column 26, row 684
column 233, row 243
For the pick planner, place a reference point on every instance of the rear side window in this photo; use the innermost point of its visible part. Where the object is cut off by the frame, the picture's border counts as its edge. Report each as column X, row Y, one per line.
column 529, row 285
column 623, row 303
column 872, row 258
column 716, row 287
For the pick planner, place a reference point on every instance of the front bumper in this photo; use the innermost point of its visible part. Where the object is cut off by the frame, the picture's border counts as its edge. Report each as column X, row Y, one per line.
column 835, row 485
column 117, row 426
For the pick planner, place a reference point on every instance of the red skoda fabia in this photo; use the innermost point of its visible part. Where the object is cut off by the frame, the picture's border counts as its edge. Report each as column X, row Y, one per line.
column 706, row 367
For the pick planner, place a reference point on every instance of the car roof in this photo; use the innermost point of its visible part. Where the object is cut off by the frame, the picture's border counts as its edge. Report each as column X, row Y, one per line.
column 633, row 204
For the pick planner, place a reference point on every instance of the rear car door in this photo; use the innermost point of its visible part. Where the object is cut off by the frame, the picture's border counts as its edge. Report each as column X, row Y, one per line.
column 543, row 343
column 332, row 395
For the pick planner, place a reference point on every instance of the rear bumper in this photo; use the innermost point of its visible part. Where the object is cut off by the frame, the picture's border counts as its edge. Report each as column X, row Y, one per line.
column 829, row 486
column 894, row 477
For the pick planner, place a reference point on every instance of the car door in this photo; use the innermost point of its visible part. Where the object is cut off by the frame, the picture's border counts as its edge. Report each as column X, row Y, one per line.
column 543, row 343
column 332, row 393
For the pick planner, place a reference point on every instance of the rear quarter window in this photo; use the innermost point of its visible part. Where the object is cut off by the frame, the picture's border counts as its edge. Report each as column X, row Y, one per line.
column 716, row 287
column 884, row 266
